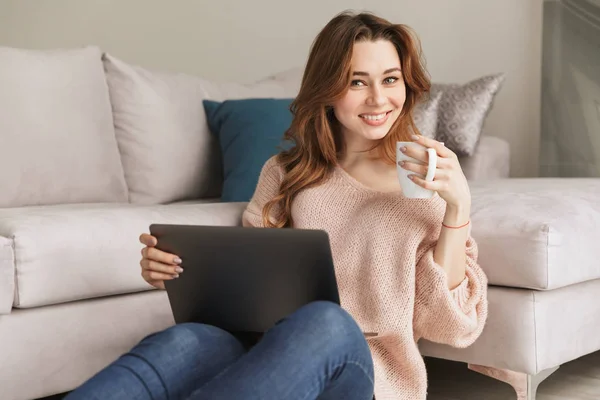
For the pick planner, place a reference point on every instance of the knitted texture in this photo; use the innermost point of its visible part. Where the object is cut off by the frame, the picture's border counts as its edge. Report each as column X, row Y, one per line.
column 382, row 245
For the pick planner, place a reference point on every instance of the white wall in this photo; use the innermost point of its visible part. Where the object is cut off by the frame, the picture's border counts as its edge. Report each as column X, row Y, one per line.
column 246, row 40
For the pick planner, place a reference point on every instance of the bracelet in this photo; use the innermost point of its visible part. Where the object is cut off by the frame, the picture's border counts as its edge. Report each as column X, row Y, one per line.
column 456, row 227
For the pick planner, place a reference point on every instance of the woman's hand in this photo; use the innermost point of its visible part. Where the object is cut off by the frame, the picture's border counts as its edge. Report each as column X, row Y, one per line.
column 449, row 181
column 157, row 266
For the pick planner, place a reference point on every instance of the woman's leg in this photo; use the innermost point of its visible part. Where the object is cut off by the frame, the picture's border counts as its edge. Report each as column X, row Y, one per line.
column 165, row 365
column 317, row 352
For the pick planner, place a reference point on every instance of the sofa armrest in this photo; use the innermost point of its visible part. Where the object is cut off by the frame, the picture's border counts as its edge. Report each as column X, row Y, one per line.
column 491, row 160
column 7, row 275
column 72, row 252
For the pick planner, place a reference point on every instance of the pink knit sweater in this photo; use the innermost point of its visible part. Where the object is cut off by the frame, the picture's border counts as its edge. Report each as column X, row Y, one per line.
column 382, row 246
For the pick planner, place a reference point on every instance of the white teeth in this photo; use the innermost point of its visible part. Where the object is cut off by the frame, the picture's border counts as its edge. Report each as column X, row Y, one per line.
column 374, row 117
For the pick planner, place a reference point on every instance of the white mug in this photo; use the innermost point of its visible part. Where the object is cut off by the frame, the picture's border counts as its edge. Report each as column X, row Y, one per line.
column 409, row 188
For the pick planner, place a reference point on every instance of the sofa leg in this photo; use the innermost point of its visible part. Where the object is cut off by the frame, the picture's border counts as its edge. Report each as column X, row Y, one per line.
column 525, row 385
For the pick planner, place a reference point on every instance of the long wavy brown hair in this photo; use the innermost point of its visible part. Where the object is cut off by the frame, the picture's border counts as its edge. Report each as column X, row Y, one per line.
column 314, row 129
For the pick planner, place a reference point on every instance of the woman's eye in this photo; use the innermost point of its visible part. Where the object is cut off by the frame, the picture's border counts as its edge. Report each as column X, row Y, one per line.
column 357, row 83
column 390, row 80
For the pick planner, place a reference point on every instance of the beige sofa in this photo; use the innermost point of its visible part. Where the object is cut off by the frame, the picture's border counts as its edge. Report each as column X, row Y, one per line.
column 95, row 150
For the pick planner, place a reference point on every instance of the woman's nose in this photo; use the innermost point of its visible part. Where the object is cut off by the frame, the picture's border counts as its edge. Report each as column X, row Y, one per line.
column 376, row 96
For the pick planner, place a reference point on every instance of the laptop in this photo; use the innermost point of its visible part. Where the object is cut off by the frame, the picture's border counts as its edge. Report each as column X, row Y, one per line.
column 246, row 279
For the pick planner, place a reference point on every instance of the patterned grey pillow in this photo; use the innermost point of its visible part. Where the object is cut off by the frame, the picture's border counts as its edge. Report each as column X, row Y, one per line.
column 462, row 111
column 425, row 114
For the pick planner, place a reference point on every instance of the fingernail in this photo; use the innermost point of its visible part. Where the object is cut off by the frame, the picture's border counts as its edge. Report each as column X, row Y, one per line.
column 176, row 276
column 177, row 260
column 178, row 270
column 411, row 177
column 415, row 137
column 401, row 163
column 403, row 149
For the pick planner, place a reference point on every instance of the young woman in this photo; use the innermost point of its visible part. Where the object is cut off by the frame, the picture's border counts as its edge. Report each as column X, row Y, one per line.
column 406, row 268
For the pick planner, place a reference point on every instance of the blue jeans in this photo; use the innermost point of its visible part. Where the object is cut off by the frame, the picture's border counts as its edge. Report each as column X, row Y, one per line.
column 318, row 352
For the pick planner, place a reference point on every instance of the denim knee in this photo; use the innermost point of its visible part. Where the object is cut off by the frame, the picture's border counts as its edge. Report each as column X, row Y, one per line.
column 327, row 317
column 330, row 328
column 190, row 339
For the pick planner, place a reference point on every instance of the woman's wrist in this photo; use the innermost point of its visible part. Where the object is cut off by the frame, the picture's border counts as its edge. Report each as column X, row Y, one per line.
column 457, row 215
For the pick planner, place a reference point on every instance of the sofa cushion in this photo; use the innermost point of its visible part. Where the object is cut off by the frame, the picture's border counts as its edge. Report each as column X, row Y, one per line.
column 57, row 137
column 250, row 131
column 7, row 275
column 462, row 111
column 166, row 147
column 425, row 115
column 538, row 233
column 529, row 330
column 65, row 253
column 49, row 350
column 491, row 160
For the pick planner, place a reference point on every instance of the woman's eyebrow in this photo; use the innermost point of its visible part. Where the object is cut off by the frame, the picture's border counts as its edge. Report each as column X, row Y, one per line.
column 387, row 71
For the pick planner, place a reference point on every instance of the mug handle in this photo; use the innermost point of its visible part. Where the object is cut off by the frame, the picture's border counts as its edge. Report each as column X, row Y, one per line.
column 432, row 164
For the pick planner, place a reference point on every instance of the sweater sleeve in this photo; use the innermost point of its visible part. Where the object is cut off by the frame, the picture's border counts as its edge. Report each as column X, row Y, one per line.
column 266, row 189
column 453, row 317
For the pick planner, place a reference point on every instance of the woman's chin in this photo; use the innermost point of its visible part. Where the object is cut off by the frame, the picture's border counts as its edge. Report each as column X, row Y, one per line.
column 375, row 134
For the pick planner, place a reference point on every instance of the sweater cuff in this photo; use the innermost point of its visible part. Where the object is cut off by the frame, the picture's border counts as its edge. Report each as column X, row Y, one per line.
column 461, row 294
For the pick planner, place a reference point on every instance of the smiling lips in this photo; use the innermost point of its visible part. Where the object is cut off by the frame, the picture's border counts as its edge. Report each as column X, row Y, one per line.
column 375, row 119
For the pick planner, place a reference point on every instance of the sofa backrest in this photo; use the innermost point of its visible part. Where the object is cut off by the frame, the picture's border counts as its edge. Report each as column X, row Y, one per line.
column 167, row 150
column 80, row 126
column 57, row 141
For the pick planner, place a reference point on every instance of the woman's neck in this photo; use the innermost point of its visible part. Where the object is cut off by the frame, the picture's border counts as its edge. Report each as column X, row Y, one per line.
column 359, row 154
column 358, row 150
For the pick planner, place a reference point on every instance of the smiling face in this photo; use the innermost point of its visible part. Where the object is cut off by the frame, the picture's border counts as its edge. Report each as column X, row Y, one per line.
column 375, row 97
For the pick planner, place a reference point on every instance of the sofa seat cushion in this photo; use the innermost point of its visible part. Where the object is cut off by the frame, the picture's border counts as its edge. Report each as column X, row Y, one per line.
column 64, row 253
column 538, row 233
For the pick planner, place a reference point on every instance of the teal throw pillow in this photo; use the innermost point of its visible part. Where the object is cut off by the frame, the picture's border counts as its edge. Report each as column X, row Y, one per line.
column 250, row 131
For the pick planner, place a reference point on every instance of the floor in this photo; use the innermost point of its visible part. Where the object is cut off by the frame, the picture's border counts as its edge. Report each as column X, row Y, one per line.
column 448, row 380
column 577, row 380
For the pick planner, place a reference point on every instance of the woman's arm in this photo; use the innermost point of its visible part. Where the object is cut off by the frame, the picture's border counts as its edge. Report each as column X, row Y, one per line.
column 450, row 250
column 452, row 186
column 266, row 189
column 455, row 317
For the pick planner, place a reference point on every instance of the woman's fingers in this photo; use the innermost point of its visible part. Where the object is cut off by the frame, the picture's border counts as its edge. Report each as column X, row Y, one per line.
column 157, row 284
column 435, row 185
column 148, row 240
column 416, row 152
column 150, row 276
column 154, row 254
column 160, row 267
column 157, row 266
column 414, row 167
column 440, row 149
column 422, row 170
